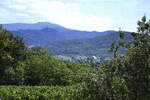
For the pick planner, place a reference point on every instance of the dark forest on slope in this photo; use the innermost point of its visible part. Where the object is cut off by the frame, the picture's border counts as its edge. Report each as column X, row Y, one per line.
column 98, row 46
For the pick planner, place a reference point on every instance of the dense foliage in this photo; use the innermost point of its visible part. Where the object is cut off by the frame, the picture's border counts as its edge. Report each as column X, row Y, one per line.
column 124, row 77
column 12, row 51
column 35, row 66
column 38, row 93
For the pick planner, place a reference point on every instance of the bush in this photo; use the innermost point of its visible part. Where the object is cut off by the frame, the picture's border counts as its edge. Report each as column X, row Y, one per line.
column 38, row 93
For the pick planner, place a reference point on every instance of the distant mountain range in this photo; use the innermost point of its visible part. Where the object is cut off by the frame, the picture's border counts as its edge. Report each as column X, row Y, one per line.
column 98, row 46
column 63, row 41
column 43, row 33
column 32, row 26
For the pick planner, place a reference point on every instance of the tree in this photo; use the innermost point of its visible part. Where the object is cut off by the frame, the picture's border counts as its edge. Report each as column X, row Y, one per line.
column 42, row 69
column 125, row 77
column 12, row 50
column 138, row 62
column 117, row 44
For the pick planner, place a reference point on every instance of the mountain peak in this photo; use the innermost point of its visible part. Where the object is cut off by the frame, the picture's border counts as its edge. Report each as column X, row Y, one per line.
column 43, row 23
column 32, row 26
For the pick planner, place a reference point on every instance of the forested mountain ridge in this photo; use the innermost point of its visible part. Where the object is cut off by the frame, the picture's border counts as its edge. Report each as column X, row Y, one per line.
column 63, row 41
column 98, row 46
column 39, row 37
column 47, row 33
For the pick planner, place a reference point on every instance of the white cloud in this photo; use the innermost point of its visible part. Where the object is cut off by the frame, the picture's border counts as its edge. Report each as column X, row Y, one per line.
column 78, row 14
column 18, row 7
column 85, row 22
column 55, row 11
column 14, row 18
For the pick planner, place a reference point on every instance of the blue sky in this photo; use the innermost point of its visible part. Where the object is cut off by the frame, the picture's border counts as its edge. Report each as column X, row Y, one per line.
column 98, row 15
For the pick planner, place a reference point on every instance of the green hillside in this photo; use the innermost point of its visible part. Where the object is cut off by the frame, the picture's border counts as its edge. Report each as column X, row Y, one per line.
column 98, row 46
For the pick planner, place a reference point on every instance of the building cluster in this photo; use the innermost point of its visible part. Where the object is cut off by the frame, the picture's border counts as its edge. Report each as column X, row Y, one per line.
column 81, row 58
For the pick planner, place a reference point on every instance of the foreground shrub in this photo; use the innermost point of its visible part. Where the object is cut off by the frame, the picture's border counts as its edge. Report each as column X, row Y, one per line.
column 38, row 93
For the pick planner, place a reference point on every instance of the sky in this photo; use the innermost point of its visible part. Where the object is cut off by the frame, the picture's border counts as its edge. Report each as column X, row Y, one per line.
column 90, row 15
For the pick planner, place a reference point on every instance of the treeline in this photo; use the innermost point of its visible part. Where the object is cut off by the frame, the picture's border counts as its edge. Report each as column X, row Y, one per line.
column 121, row 78
column 20, row 65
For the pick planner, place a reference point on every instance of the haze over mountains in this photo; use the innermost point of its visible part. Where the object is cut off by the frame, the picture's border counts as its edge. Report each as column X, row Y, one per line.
column 43, row 33
column 33, row 26
column 98, row 46
column 60, row 40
